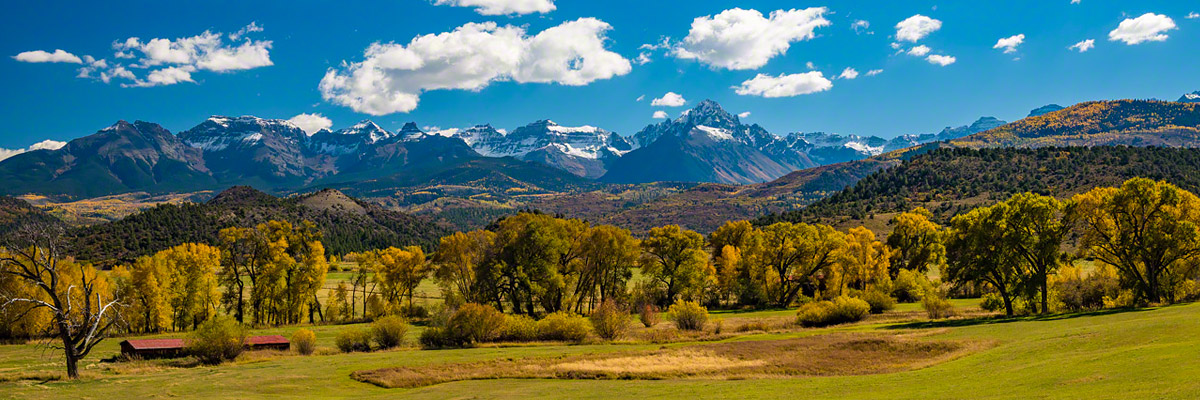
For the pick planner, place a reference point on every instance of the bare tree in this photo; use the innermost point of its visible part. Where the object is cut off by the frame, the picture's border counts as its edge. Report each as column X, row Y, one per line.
column 82, row 312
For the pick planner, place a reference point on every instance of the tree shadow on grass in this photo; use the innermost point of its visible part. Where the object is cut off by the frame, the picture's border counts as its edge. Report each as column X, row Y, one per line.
column 953, row 323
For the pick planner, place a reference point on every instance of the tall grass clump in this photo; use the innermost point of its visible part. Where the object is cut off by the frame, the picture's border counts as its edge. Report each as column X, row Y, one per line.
column 689, row 315
column 304, row 341
column 839, row 311
column 936, row 306
column 389, row 331
column 563, row 326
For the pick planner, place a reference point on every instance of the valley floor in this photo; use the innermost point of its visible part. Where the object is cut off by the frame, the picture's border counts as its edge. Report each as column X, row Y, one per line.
column 1111, row 354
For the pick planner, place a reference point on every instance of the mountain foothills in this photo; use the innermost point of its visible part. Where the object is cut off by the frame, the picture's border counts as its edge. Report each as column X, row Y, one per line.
column 697, row 170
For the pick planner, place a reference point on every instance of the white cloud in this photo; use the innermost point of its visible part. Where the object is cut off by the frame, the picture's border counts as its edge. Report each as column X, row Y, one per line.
column 848, row 73
column 861, row 26
column 502, row 7
column 167, row 61
column 874, row 72
column 313, row 123
column 640, row 98
column 784, row 85
column 1149, row 27
column 941, row 60
column 671, row 99
column 1009, row 44
column 648, row 49
column 42, row 145
column 738, row 39
column 810, row 65
column 1074, row 1
column 660, row 114
column 916, row 27
column 40, row 56
column 392, row 76
column 1083, row 46
column 1192, row 15
column 745, row 114
column 919, row 51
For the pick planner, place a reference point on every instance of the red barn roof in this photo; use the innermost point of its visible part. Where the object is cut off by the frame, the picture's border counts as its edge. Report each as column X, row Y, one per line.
column 155, row 344
column 269, row 339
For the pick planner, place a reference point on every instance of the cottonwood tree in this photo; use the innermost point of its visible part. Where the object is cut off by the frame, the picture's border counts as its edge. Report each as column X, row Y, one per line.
column 792, row 254
column 1148, row 230
column 399, row 272
column 1036, row 227
column 863, row 263
column 916, row 241
column 675, row 259
column 607, row 257
column 81, row 305
column 457, row 258
column 976, row 253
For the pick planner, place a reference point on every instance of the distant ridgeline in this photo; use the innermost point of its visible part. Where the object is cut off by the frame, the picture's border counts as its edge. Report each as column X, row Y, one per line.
column 347, row 224
column 953, row 180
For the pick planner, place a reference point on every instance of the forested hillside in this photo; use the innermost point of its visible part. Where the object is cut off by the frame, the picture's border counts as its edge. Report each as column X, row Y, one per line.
column 347, row 224
column 950, row 180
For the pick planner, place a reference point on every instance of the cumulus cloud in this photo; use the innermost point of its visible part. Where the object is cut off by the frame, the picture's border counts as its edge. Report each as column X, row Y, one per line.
column 1083, row 46
column 42, row 145
column 874, row 72
column 919, row 51
column 313, row 123
column 861, row 26
column 671, row 99
column 41, row 56
column 392, row 76
column 916, row 27
column 1192, row 15
column 848, row 73
column 1009, row 44
column 738, row 39
column 160, row 61
column 640, row 98
column 941, row 60
column 660, row 114
column 502, row 7
column 745, row 114
column 1149, row 27
column 784, row 85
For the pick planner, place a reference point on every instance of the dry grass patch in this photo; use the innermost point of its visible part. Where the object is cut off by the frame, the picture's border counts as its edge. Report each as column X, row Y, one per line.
column 832, row 354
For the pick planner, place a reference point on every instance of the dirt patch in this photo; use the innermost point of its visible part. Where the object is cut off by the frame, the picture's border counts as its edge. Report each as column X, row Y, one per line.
column 833, row 354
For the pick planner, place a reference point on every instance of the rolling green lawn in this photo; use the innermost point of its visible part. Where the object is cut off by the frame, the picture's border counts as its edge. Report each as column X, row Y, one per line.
column 1128, row 354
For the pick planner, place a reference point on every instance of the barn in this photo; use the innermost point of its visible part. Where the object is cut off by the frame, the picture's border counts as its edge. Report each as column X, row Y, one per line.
column 168, row 348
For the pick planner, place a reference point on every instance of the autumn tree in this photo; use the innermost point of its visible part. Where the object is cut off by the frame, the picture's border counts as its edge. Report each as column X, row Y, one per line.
column 675, row 259
column 531, row 257
column 863, row 262
column 606, row 260
column 976, row 253
column 1149, row 231
column 916, row 241
column 457, row 258
column 791, row 254
column 244, row 253
column 398, row 272
column 80, row 301
column 1036, row 227
column 734, row 276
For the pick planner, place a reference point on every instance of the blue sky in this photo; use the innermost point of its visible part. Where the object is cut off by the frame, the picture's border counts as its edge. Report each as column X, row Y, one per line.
column 588, row 70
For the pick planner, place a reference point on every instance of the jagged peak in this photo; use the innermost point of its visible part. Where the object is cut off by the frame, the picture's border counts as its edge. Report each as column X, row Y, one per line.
column 410, row 127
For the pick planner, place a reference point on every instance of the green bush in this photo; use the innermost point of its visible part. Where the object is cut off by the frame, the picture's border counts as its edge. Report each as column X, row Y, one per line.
column 304, row 341
column 992, row 302
column 609, row 321
column 474, row 323
column 563, row 326
column 648, row 316
column 353, row 339
column 388, row 332
column 689, row 315
column 936, row 306
column 218, row 339
column 519, row 328
column 434, row 338
column 910, row 286
column 824, row 313
column 879, row 301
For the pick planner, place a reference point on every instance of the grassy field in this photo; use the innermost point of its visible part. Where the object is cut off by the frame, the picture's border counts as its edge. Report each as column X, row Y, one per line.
column 1114, row 354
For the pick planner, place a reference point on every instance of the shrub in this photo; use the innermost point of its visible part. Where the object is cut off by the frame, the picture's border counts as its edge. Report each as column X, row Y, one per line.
column 1072, row 291
column 388, row 332
column 689, row 315
column 353, row 339
column 824, row 313
column 434, row 338
column 474, row 323
column 519, row 328
column 304, row 341
column 910, row 286
column 609, row 321
column 563, row 326
column 992, row 302
column 414, row 311
column 878, row 301
column 936, row 306
column 648, row 316
column 218, row 339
